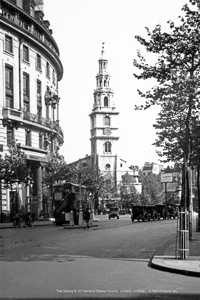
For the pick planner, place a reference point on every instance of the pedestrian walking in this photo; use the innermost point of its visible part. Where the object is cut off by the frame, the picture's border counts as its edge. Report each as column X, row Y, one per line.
column 86, row 217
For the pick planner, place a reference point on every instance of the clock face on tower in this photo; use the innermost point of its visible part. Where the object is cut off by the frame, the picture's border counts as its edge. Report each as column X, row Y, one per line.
column 107, row 131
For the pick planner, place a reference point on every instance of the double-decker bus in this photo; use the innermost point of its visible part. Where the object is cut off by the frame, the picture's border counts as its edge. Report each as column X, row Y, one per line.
column 67, row 197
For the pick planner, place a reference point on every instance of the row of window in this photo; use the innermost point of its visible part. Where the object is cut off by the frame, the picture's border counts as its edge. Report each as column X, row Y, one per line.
column 103, row 83
column 106, row 121
column 107, row 147
column 105, row 102
column 25, row 56
column 9, row 86
column 28, row 139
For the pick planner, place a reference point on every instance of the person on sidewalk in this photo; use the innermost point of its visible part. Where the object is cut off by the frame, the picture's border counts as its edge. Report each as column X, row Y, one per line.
column 86, row 217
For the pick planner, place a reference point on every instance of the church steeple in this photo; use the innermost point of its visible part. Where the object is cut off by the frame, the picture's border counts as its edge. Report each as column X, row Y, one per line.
column 104, row 127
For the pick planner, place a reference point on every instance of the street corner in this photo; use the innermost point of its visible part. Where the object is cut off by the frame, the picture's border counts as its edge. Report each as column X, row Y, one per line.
column 190, row 267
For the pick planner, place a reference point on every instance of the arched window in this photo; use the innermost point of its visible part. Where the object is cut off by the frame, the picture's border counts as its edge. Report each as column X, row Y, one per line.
column 107, row 146
column 107, row 121
column 106, row 101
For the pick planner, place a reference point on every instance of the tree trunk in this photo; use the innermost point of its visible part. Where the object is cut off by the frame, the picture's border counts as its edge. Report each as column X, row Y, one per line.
column 198, row 193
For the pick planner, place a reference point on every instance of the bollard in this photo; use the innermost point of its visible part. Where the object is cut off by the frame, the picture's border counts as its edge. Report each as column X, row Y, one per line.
column 71, row 222
column 80, row 219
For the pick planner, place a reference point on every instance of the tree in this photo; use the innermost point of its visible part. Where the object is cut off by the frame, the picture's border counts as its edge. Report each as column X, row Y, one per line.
column 92, row 178
column 128, row 191
column 152, row 189
column 56, row 170
column 177, row 72
column 13, row 168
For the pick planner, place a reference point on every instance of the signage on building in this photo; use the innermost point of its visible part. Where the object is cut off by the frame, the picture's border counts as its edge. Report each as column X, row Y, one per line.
column 166, row 177
column 171, row 187
column 36, row 158
column 82, row 197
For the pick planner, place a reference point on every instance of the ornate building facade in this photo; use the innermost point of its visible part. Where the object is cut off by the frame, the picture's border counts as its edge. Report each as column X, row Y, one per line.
column 29, row 100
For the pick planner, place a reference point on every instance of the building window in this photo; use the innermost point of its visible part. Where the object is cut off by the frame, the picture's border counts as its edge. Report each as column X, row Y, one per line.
column 26, row 92
column 47, row 69
column 107, row 166
column 39, row 93
column 106, row 101
column 41, row 141
column 25, row 53
column 39, row 99
column 10, row 136
column 54, row 79
column 38, row 62
column 47, row 111
column 107, row 147
column 28, row 137
column 92, row 122
column 107, row 121
column 52, row 145
column 9, row 85
column 32, row 11
column 8, row 44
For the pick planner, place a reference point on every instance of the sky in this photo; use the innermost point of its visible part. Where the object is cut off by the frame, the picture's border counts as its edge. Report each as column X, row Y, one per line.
column 79, row 28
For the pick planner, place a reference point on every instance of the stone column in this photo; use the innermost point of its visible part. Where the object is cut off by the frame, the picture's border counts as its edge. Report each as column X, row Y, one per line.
column 58, row 111
column 52, row 113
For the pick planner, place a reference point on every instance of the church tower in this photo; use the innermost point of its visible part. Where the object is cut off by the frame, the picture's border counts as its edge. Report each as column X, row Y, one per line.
column 104, row 129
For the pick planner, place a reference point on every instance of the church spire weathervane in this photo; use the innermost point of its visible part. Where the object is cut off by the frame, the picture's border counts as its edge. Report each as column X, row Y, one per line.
column 102, row 51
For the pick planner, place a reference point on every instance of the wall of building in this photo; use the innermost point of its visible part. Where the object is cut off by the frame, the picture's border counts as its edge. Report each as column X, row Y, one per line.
column 22, row 30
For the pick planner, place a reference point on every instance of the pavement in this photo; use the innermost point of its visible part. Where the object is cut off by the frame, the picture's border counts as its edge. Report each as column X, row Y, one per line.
column 165, row 259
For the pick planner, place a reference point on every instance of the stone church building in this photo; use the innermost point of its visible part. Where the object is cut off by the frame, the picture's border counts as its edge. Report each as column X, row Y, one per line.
column 104, row 132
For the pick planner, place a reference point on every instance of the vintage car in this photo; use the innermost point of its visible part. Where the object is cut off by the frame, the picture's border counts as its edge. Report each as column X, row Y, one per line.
column 172, row 210
column 139, row 212
column 114, row 213
column 162, row 211
column 152, row 212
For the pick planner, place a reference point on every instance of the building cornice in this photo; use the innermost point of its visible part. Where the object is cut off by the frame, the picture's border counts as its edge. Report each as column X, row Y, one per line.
column 104, row 113
column 105, row 137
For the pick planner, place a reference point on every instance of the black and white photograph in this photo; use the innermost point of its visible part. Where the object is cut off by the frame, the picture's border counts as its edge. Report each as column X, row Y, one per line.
column 100, row 149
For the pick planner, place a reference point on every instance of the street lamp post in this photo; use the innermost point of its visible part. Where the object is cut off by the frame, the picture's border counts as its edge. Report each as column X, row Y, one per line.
column 30, row 183
column 80, row 220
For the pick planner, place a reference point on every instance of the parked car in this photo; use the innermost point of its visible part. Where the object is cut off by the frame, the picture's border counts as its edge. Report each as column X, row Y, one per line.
column 114, row 213
column 152, row 212
column 122, row 212
column 162, row 210
column 139, row 212
column 172, row 210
